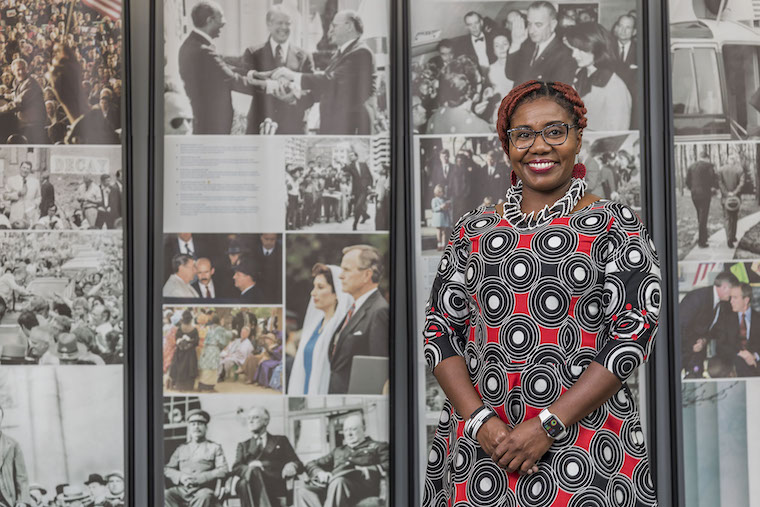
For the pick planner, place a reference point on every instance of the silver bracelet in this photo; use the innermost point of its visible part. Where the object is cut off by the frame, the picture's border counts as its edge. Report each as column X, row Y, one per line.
column 476, row 421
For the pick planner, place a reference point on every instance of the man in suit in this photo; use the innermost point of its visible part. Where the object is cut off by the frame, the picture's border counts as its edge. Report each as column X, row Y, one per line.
column 195, row 466
column 491, row 181
column 47, row 192
column 208, row 79
column 208, row 285
column 245, row 276
column 14, row 481
column 460, row 186
column 361, row 183
column 264, row 463
column 348, row 474
column 278, row 51
column 23, row 191
column 268, row 258
column 542, row 55
column 443, row 172
column 178, row 284
column 731, row 181
column 700, row 180
column 365, row 329
column 698, row 313
column 624, row 33
column 346, row 88
column 477, row 45
column 182, row 243
column 744, row 344
column 114, row 201
column 27, row 104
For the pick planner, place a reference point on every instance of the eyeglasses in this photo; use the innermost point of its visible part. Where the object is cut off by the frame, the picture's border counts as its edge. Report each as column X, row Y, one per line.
column 523, row 138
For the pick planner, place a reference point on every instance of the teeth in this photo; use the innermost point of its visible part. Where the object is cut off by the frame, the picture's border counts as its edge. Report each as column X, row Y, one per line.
column 541, row 165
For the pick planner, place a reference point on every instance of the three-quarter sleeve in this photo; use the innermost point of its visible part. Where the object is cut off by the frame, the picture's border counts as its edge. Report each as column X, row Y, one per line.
column 448, row 309
column 631, row 297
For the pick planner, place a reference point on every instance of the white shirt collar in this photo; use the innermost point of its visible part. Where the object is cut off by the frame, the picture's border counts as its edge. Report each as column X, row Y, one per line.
column 542, row 46
column 345, row 45
column 248, row 289
column 482, row 38
column 263, row 439
column 209, row 287
column 716, row 298
column 268, row 251
column 189, row 244
column 204, row 35
column 359, row 302
column 284, row 45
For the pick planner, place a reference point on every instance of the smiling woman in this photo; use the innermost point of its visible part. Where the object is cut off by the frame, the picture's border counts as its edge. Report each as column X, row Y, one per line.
column 541, row 309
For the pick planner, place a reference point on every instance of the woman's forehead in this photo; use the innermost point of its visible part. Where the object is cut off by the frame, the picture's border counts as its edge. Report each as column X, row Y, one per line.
column 539, row 112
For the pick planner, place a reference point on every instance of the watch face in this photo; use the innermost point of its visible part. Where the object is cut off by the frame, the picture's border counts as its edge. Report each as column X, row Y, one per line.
column 553, row 427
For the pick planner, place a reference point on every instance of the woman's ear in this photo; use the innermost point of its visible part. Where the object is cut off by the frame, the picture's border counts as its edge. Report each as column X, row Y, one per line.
column 580, row 142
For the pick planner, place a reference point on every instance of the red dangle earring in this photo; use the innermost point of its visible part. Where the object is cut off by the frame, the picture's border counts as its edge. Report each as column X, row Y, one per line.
column 513, row 177
column 579, row 170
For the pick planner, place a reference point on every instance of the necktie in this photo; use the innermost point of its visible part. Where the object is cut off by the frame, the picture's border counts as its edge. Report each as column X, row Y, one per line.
column 206, row 292
column 480, row 39
column 445, row 171
column 742, row 327
column 23, row 186
column 345, row 323
column 278, row 55
column 535, row 55
column 622, row 51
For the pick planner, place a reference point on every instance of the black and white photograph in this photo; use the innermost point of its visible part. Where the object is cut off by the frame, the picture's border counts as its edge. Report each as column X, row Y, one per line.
column 715, row 52
column 60, row 72
column 222, row 349
column 458, row 174
column 223, row 268
column 49, row 420
column 61, row 188
column 338, row 184
column 337, row 313
column 468, row 55
column 61, row 298
column 250, row 451
column 719, row 303
column 263, row 67
column 718, row 201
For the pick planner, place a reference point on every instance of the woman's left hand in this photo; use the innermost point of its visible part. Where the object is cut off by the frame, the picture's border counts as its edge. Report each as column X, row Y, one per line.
column 523, row 447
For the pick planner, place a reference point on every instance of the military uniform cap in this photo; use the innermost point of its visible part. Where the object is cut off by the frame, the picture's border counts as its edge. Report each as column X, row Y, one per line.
column 198, row 415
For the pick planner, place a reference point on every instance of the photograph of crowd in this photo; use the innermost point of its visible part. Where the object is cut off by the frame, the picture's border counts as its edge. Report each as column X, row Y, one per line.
column 467, row 56
column 458, row 174
column 249, row 451
column 223, row 268
column 338, row 185
column 48, row 424
column 717, row 200
column 61, row 298
column 714, row 61
column 70, row 188
column 719, row 303
column 60, row 73
column 266, row 67
column 222, row 349
column 338, row 314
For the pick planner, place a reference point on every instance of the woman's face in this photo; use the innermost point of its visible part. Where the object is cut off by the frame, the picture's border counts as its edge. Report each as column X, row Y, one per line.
column 322, row 294
column 543, row 167
column 582, row 58
column 501, row 47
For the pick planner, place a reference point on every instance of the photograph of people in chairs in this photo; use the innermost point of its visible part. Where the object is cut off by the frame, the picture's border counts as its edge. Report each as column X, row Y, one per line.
column 280, row 68
column 466, row 56
column 250, row 452
column 338, row 298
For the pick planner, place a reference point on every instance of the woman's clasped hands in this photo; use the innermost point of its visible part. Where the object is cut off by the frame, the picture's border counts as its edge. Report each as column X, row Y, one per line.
column 514, row 449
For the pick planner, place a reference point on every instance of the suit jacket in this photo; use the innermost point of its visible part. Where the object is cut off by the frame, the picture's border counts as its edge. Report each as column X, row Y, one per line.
column 208, row 83
column 27, row 205
column 361, row 179
column 222, row 288
column 368, row 453
column 628, row 67
column 731, row 179
column 365, row 334
column 493, row 186
column 114, row 202
column 270, row 278
column 438, row 178
column 274, row 456
column 344, row 91
column 253, row 296
column 47, row 196
column 171, row 248
column 175, row 287
column 290, row 118
column 14, row 481
column 463, row 46
column 555, row 63
column 696, row 314
column 701, row 179
column 28, row 103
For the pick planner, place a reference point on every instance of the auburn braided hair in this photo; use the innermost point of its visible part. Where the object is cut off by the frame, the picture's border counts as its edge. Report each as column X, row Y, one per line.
column 563, row 94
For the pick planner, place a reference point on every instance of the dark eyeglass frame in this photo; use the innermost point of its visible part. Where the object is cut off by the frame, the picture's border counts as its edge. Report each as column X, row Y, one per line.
column 536, row 132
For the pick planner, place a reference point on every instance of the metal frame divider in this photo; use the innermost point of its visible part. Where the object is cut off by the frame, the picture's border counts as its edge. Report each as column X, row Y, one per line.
column 664, row 397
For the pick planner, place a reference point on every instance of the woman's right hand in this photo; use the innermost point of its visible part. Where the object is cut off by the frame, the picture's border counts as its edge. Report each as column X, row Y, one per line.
column 491, row 434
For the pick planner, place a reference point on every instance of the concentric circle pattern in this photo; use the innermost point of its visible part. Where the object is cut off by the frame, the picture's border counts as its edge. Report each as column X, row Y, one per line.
column 529, row 309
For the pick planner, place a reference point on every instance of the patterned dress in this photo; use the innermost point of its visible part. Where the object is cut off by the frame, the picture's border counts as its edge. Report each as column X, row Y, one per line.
column 529, row 302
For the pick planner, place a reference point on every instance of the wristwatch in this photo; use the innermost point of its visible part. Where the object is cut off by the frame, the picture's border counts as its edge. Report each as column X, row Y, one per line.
column 552, row 425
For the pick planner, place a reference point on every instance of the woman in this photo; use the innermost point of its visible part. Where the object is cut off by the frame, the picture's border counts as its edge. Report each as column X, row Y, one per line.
column 603, row 91
column 497, row 75
column 217, row 337
column 184, row 367
column 327, row 308
column 234, row 355
column 541, row 308
column 460, row 89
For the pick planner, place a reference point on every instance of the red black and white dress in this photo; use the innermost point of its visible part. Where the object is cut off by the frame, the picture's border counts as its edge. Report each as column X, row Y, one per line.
column 530, row 301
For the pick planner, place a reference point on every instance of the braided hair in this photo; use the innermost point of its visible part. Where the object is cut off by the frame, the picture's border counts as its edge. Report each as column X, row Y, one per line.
column 563, row 94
